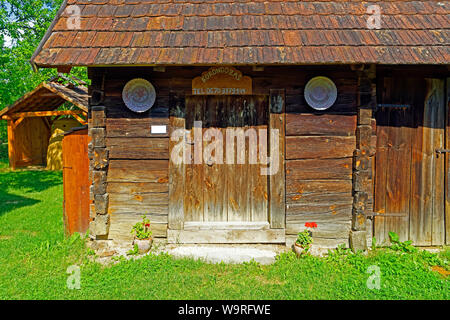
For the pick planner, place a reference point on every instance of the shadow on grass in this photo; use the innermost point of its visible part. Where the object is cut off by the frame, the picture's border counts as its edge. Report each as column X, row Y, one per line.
column 15, row 185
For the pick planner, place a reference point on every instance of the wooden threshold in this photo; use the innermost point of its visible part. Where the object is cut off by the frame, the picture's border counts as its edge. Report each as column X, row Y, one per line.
column 226, row 236
column 188, row 226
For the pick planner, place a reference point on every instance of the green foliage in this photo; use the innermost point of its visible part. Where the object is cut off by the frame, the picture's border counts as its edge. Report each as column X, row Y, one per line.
column 340, row 252
column 23, row 24
column 3, row 154
column 35, row 255
column 374, row 243
column 141, row 230
column 305, row 239
column 134, row 251
column 397, row 245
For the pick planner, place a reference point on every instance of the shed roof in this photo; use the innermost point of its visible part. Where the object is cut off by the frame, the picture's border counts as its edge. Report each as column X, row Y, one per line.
column 49, row 96
column 209, row 32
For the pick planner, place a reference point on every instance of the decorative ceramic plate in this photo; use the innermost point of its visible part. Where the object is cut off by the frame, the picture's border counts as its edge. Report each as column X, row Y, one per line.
column 321, row 93
column 139, row 95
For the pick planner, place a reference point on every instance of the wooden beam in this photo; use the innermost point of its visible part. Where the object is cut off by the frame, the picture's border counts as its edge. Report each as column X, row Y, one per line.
column 79, row 119
column 226, row 236
column 17, row 122
column 44, row 114
column 176, row 171
column 447, row 163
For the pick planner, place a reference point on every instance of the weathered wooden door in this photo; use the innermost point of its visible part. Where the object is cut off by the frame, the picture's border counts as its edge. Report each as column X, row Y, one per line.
column 410, row 170
column 225, row 196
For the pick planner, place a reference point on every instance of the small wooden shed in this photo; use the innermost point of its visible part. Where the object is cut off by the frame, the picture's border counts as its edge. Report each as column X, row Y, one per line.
column 30, row 119
column 375, row 160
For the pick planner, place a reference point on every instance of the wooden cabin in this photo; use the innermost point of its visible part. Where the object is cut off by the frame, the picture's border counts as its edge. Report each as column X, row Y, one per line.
column 34, row 123
column 357, row 95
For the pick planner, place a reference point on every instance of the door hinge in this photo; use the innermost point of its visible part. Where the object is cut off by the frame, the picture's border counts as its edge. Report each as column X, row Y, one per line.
column 441, row 151
column 386, row 215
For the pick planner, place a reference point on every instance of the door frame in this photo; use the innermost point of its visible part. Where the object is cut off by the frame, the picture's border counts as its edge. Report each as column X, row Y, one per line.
column 272, row 232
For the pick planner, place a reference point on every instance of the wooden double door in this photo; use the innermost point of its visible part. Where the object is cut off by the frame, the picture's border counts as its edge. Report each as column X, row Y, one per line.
column 225, row 194
column 411, row 163
column 221, row 183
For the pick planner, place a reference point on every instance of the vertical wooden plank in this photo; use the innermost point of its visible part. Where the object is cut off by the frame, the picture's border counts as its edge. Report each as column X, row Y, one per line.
column 259, row 191
column 277, row 180
column 381, row 161
column 233, row 181
column 188, row 169
column 190, row 195
column 399, row 173
column 420, row 195
column 447, row 163
column 243, row 168
column 11, row 145
column 176, row 171
column 197, row 183
column 427, row 215
column 214, row 181
column 221, row 170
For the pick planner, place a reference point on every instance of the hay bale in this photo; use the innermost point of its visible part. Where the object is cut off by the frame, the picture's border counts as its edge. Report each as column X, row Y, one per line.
column 54, row 152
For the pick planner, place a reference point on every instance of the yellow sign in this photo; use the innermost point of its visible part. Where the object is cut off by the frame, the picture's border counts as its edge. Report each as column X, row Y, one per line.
column 222, row 81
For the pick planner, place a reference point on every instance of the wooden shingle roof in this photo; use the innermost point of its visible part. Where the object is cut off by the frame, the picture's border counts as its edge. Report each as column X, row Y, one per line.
column 208, row 32
column 49, row 96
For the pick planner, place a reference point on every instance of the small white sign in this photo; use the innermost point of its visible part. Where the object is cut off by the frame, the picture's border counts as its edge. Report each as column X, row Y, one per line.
column 159, row 129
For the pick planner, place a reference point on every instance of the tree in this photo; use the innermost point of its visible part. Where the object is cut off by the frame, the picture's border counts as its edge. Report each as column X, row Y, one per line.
column 23, row 24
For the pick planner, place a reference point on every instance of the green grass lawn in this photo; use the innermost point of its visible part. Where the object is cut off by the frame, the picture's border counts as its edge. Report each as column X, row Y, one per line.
column 34, row 257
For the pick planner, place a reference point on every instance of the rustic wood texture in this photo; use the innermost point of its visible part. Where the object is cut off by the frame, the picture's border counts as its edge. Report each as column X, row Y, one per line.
column 409, row 184
column 28, row 140
column 324, row 147
column 447, row 164
column 121, row 225
column 227, row 236
column 148, row 175
column 11, row 143
column 138, row 148
column 308, row 124
column 152, row 171
column 176, row 182
column 76, row 182
column 222, row 81
column 229, row 191
column 277, row 179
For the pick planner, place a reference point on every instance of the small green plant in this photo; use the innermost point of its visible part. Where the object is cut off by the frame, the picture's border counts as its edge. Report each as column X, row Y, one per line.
column 304, row 239
column 397, row 245
column 90, row 252
column 340, row 252
column 374, row 243
column 141, row 230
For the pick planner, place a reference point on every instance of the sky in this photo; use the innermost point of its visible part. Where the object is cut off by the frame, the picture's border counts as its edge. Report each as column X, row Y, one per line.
column 8, row 41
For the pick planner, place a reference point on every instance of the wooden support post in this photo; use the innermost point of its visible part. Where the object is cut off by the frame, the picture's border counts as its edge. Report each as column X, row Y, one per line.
column 447, row 168
column 361, row 159
column 277, row 180
column 176, row 171
column 99, row 161
column 11, row 145
column 44, row 114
